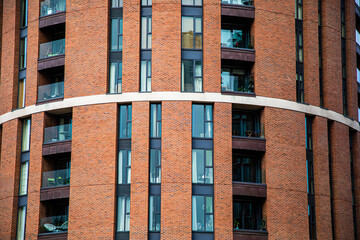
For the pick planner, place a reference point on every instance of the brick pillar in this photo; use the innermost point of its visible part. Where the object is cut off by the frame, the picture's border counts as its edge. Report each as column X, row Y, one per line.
column 356, row 159
column 93, row 172
column 139, row 170
column 176, row 171
column 223, row 201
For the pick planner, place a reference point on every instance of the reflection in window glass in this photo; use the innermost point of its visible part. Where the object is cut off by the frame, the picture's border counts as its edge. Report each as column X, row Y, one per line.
column 115, row 80
column 155, row 166
column 124, row 167
column 116, row 34
column 25, row 141
column 155, row 120
column 125, row 121
column 23, row 52
column 191, row 32
column 202, row 122
column 154, row 213
column 123, row 216
column 191, row 76
column 202, row 166
column 24, row 174
column 116, row 3
column 20, row 232
column 145, row 76
column 202, row 213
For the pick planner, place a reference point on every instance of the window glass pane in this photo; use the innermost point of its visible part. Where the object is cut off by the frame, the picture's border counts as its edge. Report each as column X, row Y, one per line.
column 149, row 41
column 151, row 213
column 198, row 213
column 121, row 167
column 209, row 204
column 121, row 214
column 24, row 11
column 128, row 171
column 198, row 85
column 198, row 28
column 114, row 34
column 198, row 168
column 208, row 158
column 20, row 233
column 112, row 82
column 187, row 30
column 123, row 125
column 208, row 113
column 23, row 52
column 209, row 175
column 187, row 70
column 198, row 2
column 24, row 173
column 187, row 2
column 198, row 68
column 25, row 142
column 198, row 121
column 143, row 32
column 208, row 130
column 143, row 76
column 21, row 93
column 209, row 223
column 153, row 120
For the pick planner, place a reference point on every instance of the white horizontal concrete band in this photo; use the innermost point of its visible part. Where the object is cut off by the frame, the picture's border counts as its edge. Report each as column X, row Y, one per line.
column 180, row 96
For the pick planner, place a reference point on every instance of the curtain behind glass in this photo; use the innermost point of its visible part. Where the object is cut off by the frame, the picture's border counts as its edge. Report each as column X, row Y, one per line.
column 25, row 142
column 24, row 173
column 20, row 233
column 121, row 214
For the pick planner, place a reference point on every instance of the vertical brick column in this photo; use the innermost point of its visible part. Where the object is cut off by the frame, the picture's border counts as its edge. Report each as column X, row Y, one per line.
column 139, row 171
column 332, row 81
column 9, row 178
column 93, row 172
column 356, row 159
column 176, row 171
column 342, row 182
column 286, row 206
column 131, row 51
column 32, row 53
column 321, row 178
column 9, row 55
column 211, row 46
column 35, row 167
column 311, row 52
column 86, row 48
column 275, row 68
column 166, row 45
column 223, row 171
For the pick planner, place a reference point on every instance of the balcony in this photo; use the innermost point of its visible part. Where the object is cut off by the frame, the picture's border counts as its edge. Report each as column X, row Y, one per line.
column 238, row 8
column 57, row 133
column 236, row 80
column 236, row 45
column 55, row 224
column 56, row 178
column 51, row 92
column 238, row 2
column 52, row 13
column 52, row 54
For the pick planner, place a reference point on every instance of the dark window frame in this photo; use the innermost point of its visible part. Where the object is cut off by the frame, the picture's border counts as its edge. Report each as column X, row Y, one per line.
column 128, row 122
column 148, row 33
column 148, row 72
column 119, row 34
column 157, row 212
column 156, row 133
column 157, row 166
column 119, row 4
column 205, row 213
column 206, row 122
column 211, row 181
column 195, row 33
column 117, row 77
column 256, row 217
column 194, row 76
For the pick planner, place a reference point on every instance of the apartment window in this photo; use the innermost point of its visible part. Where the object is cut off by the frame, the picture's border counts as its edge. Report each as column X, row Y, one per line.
column 23, row 51
column 23, row 13
column 202, row 213
column 191, row 75
column 246, row 169
column 123, row 221
column 299, row 46
column 154, row 213
column 24, row 175
column 21, row 221
column 145, row 76
column 125, row 121
column 202, row 121
column 236, row 80
column 21, row 93
column 299, row 10
column 116, row 3
column 247, row 214
column 246, row 124
column 155, row 120
column 155, row 166
column 116, row 34
column 308, row 133
column 202, row 166
column 343, row 22
column 25, row 139
column 192, row 2
column 235, row 36
column 124, row 168
column 191, row 32
column 300, row 87
column 146, row 2
column 310, row 176
column 115, row 82
column 146, row 32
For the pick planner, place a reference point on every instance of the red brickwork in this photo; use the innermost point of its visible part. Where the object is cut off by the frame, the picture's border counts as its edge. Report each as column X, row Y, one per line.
column 356, row 157
column 93, row 172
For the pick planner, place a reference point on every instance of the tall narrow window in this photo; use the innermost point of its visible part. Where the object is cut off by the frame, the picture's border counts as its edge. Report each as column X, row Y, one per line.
column 23, row 51
column 24, row 175
column 202, row 166
column 154, row 213
column 155, row 121
column 202, row 213
column 155, row 166
column 23, row 13
column 146, row 32
column 146, row 2
column 115, row 83
column 123, row 222
column 202, row 121
column 192, row 2
column 125, row 121
column 21, row 93
column 191, row 76
column 246, row 169
column 145, row 76
column 300, row 87
column 116, row 34
column 116, row 3
column 299, row 46
column 299, row 10
column 124, row 167
column 299, row 40
column 25, row 141
column 191, row 32
column 21, row 220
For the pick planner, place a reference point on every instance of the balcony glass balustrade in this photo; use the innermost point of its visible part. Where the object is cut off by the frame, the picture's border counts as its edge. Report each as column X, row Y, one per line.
column 56, row 178
column 247, row 169
column 238, row 2
column 57, row 133
column 51, row 91
column 49, row 7
column 236, row 80
column 54, row 224
column 247, row 124
column 51, row 49
column 235, row 38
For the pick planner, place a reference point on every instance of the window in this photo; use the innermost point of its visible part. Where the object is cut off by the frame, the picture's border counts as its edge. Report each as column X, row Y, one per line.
column 246, row 169
column 235, row 37
column 125, row 121
column 115, row 82
column 116, row 3
column 191, row 75
column 202, row 166
column 123, row 221
column 154, row 213
column 24, row 175
column 124, row 168
column 300, row 87
column 236, row 80
column 155, row 166
column 116, row 34
column 25, row 139
column 310, row 176
column 308, row 133
column 202, row 121
column 246, row 124
column 145, row 32
column 23, row 50
column 202, row 213
column 192, row 2
column 155, row 120
column 146, row 2
column 20, row 232
column 299, row 46
column 191, row 32
column 343, row 22
column 21, row 93
column 23, row 13
column 145, row 76
column 238, row 2
column 299, row 10
column 247, row 214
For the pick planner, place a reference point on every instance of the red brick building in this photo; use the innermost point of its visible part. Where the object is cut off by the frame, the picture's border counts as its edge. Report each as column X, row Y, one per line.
column 179, row 119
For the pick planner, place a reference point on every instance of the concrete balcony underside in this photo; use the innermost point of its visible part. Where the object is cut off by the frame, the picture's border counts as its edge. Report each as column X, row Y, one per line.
column 52, row 20
column 249, row 189
column 239, row 54
column 56, row 148
column 250, row 235
column 54, row 193
column 249, row 143
column 51, row 62
column 238, row 11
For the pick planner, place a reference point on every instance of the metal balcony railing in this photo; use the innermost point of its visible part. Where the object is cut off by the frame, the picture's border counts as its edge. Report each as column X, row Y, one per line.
column 233, row 83
column 57, row 133
column 235, row 38
column 54, row 224
column 56, row 178
column 49, row 7
column 51, row 91
column 51, row 49
column 238, row 2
